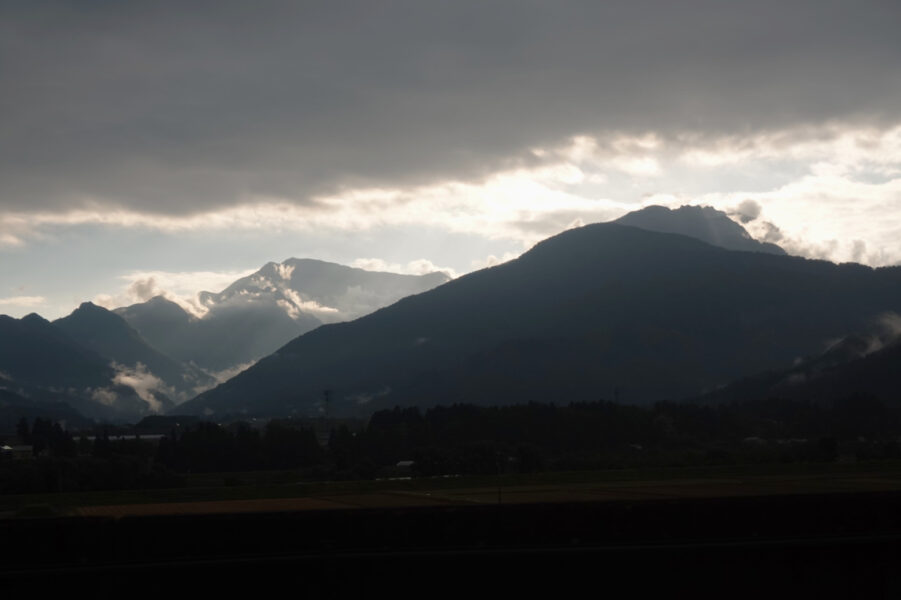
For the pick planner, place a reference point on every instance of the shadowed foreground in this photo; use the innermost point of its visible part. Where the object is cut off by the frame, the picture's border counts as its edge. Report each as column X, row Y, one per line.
column 838, row 535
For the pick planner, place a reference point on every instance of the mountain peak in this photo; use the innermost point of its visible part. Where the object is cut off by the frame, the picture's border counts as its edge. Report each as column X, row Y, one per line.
column 34, row 318
column 590, row 310
column 262, row 311
column 88, row 308
column 704, row 223
column 89, row 316
column 159, row 305
column 160, row 299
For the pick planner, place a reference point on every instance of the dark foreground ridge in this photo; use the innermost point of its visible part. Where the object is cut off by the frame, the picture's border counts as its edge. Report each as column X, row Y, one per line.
column 826, row 544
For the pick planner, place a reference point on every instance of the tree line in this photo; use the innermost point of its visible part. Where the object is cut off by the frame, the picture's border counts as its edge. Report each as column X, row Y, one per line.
column 467, row 439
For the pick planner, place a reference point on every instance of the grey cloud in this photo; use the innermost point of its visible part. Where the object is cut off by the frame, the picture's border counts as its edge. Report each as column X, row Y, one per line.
column 146, row 386
column 747, row 211
column 886, row 331
column 771, row 233
column 858, row 251
column 766, row 231
column 143, row 289
column 173, row 108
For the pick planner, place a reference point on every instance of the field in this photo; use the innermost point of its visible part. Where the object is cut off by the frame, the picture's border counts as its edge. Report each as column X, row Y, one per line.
column 278, row 491
column 809, row 530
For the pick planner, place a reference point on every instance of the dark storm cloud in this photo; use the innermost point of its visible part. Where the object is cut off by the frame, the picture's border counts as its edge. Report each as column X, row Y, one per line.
column 183, row 107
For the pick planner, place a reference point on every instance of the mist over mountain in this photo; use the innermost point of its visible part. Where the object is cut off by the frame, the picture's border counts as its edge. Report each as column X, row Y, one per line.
column 160, row 321
column 148, row 357
column 861, row 364
column 257, row 314
column 603, row 311
column 704, row 223
column 328, row 291
column 111, row 337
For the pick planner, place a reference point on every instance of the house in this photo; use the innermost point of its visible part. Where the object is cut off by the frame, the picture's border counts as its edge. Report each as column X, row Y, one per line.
column 17, row 452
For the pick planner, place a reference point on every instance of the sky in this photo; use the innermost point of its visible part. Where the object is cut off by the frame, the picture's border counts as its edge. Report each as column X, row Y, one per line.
column 171, row 147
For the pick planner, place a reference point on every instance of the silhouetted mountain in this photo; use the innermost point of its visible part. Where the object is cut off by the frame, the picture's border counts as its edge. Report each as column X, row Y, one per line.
column 259, row 313
column 703, row 223
column 41, row 362
column 854, row 367
column 34, row 352
column 111, row 337
column 603, row 311
column 159, row 321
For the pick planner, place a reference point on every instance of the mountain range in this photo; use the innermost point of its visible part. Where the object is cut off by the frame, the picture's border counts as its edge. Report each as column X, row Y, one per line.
column 661, row 304
column 146, row 358
column 602, row 311
column 41, row 361
column 257, row 314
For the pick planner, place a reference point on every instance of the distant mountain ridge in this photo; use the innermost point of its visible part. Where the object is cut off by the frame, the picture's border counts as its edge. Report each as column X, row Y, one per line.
column 604, row 311
column 146, row 358
column 328, row 291
column 595, row 312
column 109, row 335
column 257, row 314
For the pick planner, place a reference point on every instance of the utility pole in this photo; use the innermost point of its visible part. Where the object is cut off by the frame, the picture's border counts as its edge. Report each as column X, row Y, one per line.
column 497, row 462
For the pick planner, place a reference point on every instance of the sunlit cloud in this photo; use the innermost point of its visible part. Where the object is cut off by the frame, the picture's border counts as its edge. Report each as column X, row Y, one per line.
column 844, row 146
column 22, row 301
column 507, row 204
column 492, row 260
column 180, row 287
column 639, row 165
column 8, row 239
column 295, row 305
column 420, row 266
column 832, row 192
column 844, row 206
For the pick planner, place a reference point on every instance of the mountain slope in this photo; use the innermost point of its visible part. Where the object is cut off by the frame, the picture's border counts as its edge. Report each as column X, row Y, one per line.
column 34, row 352
column 162, row 323
column 42, row 363
column 858, row 365
column 700, row 222
column 111, row 337
column 600, row 311
column 231, row 334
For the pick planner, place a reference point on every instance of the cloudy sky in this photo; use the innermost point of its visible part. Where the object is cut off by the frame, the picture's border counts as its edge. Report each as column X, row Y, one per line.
column 151, row 147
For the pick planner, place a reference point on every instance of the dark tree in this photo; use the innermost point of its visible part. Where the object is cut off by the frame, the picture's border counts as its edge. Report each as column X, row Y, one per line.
column 22, row 430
